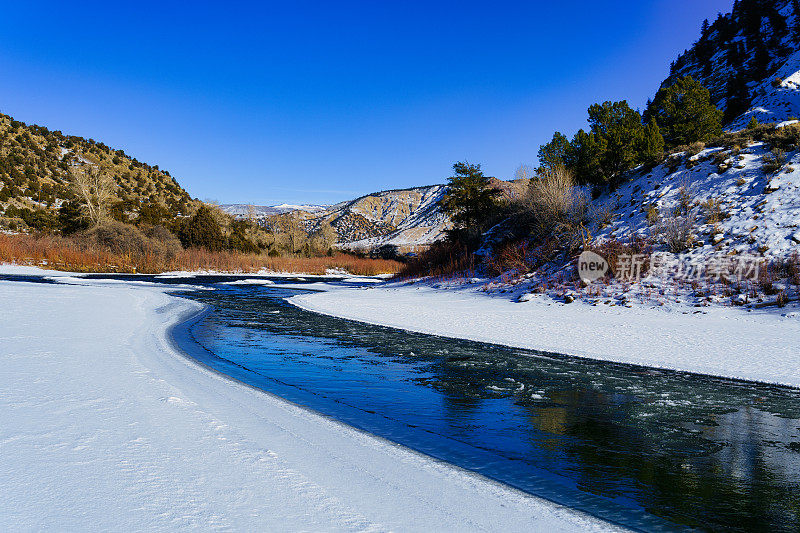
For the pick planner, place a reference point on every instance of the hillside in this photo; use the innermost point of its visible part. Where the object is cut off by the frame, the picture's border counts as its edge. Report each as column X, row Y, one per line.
column 740, row 201
column 260, row 212
column 747, row 59
column 36, row 167
column 404, row 217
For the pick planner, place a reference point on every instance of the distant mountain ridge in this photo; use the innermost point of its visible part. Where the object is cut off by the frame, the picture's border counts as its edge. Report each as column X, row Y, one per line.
column 401, row 217
column 242, row 211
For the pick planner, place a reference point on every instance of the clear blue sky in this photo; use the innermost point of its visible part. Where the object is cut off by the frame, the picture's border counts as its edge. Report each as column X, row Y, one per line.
column 321, row 101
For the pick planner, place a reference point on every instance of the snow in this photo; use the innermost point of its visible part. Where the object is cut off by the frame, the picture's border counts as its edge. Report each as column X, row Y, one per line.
column 775, row 103
column 310, row 208
column 730, row 342
column 250, row 281
column 107, row 427
column 761, row 211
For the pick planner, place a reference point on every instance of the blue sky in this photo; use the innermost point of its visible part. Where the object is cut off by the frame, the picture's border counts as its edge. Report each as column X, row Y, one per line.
column 318, row 102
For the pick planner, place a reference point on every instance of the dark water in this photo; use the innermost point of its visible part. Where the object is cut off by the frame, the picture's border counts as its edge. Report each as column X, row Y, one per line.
column 649, row 449
column 652, row 450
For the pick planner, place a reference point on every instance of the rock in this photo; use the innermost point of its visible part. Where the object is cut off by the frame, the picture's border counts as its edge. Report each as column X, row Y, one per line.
column 796, row 237
column 527, row 297
column 740, row 299
column 718, row 238
column 569, row 298
column 772, row 186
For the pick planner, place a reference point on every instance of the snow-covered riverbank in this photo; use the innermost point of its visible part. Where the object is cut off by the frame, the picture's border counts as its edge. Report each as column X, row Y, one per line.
column 107, row 427
column 760, row 345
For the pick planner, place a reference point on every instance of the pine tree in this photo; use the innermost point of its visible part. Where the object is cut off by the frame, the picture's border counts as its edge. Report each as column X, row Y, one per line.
column 202, row 230
column 617, row 129
column 471, row 201
column 796, row 24
column 72, row 218
column 737, row 97
column 651, row 144
column 586, row 160
column 555, row 153
column 684, row 113
column 759, row 66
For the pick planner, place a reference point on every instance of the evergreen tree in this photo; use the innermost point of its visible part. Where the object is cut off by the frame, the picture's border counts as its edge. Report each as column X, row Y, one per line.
column 471, row 201
column 651, row 143
column 203, row 231
column 796, row 24
column 737, row 97
column 759, row 66
column 616, row 129
column 684, row 113
column 71, row 217
column 586, row 162
column 555, row 153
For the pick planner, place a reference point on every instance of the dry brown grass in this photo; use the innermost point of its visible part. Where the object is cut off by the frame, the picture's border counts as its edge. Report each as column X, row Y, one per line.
column 61, row 253
column 444, row 259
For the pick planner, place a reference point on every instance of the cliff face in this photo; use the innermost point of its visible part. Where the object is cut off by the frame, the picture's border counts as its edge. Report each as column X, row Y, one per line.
column 749, row 61
column 405, row 218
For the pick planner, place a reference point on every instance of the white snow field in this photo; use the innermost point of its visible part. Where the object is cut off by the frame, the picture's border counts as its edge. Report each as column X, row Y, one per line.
column 105, row 426
column 719, row 341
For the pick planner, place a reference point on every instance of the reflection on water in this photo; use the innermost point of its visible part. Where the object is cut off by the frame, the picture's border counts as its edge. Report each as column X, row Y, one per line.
column 650, row 449
column 654, row 450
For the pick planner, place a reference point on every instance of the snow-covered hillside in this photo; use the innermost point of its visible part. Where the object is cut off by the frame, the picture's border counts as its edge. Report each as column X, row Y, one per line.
column 264, row 211
column 404, row 217
column 777, row 98
column 736, row 207
column 748, row 59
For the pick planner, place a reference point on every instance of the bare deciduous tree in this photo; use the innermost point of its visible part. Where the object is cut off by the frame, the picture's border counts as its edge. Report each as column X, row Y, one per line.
column 95, row 189
column 289, row 226
column 323, row 238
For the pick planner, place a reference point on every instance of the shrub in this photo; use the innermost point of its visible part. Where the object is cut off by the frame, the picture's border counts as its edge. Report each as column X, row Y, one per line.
column 786, row 138
column 603, row 216
column 554, row 206
column 713, row 211
column 695, row 148
column 120, row 239
column 169, row 243
column 676, row 232
column 613, row 249
column 441, row 259
column 85, row 255
column 773, row 161
column 685, row 201
column 652, row 214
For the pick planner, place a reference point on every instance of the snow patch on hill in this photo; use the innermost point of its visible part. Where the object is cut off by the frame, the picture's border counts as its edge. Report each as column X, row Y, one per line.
column 777, row 98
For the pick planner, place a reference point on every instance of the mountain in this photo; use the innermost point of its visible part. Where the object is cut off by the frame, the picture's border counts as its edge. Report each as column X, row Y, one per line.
column 258, row 212
column 749, row 60
column 408, row 219
column 36, row 167
column 404, row 217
